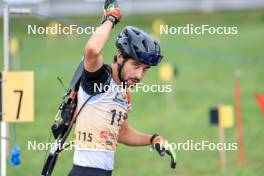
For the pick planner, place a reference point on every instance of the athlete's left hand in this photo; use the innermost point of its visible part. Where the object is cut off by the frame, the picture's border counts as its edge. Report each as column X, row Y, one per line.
column 162, row 146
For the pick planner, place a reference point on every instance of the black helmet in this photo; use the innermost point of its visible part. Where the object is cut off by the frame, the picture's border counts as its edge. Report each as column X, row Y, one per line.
column 138, row 45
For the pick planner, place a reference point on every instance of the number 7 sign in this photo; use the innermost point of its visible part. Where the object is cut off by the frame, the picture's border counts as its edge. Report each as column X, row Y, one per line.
column 17, row 96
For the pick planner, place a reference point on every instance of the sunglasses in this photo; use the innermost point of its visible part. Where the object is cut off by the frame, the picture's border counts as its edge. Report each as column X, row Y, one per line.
column 150, row 59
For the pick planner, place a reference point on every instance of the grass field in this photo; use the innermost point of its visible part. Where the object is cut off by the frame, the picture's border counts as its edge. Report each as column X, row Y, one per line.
column 206, row 67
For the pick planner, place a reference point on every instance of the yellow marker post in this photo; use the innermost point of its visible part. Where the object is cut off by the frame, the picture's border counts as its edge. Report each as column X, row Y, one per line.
column 226, row 120
column 226, row 116
column 18, row 96
column 52, row 32
column 14, row 50
column 14, row 46
column 166, row 74
column 157, row 24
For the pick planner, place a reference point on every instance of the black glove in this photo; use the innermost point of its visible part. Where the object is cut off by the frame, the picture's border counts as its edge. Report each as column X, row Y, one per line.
column 111, row 12
column 162, row 146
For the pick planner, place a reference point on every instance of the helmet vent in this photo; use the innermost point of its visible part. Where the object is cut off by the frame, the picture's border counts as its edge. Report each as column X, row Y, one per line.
column 144, row 44
column 137, row 32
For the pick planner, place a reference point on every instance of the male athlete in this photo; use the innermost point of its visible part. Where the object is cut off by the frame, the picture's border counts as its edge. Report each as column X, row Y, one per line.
column 103, row 122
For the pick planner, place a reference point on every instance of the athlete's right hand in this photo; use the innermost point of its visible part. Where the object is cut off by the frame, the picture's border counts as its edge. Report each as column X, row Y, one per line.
column 111, row 12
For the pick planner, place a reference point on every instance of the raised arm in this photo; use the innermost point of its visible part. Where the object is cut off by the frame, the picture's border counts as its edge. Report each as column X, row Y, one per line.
column 93, row 49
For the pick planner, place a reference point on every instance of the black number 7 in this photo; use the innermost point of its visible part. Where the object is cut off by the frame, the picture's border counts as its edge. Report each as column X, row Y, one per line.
column 20, row 100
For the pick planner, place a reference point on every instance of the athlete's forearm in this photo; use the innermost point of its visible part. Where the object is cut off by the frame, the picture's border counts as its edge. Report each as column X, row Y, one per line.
column 93, row 59
column 98, row 40
column 132, row 137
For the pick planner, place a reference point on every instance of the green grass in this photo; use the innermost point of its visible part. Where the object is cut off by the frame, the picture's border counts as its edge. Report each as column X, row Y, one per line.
column 206, row 67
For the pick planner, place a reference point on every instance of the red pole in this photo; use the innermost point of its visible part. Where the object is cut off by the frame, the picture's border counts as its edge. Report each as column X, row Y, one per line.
column 239, row 124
